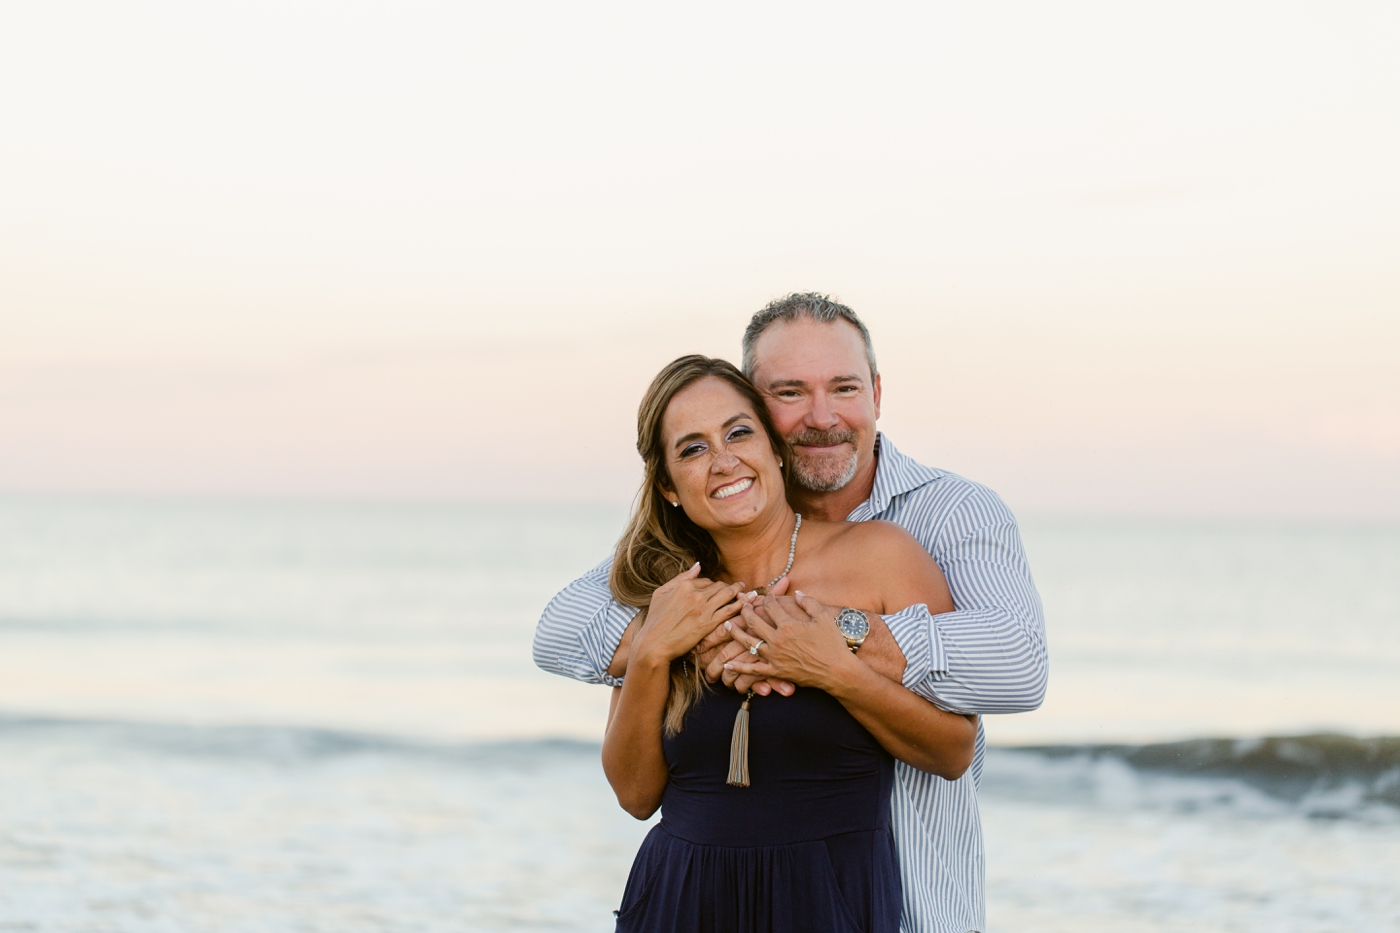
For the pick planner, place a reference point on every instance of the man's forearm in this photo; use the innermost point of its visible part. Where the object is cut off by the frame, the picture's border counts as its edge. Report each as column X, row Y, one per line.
column 618, row 667
column 579, row 631
column 986, row 661
column 881, row 652
column 906, row 725
column 988, row 655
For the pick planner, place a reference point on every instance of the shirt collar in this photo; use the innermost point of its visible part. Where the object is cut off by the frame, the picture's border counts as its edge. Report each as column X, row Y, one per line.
column 895, row 474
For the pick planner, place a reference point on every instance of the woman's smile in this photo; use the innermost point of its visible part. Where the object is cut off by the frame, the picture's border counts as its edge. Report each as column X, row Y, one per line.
column 735, row 488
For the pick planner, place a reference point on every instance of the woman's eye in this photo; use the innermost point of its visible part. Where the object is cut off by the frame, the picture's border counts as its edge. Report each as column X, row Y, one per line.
column 692, row 450
column 739, row 433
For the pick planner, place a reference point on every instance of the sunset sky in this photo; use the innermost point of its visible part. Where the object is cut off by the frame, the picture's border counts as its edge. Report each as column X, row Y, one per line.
column 1117, row 259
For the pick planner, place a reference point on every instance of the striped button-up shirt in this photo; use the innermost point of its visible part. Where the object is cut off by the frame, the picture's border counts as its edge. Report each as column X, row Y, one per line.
column 988, row 656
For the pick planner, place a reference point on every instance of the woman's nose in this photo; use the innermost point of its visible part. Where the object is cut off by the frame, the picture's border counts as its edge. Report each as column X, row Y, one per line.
column 725, row 461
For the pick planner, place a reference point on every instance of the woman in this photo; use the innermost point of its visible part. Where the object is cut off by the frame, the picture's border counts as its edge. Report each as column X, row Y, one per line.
column 775, row 810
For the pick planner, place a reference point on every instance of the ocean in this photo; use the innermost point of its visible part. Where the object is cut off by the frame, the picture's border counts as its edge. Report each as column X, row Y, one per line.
column 281, row 716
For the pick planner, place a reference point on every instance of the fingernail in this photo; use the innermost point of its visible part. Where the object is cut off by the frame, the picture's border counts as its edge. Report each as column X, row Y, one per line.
column 694, row 565
column 728, row 666
column 800, row 593
column 751, row 594
column 728, row 625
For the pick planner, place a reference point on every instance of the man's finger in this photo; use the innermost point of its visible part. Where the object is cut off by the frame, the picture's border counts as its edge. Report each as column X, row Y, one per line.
column 755, row 626
column 714, row 668
column 759, row 685
column 815, row 608
column 743, row 683
column 718, row 636
column 787, row 609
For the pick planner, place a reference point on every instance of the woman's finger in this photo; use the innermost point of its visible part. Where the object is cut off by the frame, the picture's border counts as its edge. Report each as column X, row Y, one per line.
column 724, row 613
column 689, row 574
column 743, row 638
column 756, row 666
column 727, row 593
column 718, row 636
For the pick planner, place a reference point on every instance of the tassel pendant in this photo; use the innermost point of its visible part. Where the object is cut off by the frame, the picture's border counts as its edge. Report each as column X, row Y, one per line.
column 739, row 747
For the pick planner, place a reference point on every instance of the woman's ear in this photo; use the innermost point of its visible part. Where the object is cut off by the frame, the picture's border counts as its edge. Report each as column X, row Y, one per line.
column 668, row 494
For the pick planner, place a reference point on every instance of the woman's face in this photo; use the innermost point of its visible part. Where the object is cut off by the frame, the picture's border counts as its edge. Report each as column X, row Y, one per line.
column 723, row 467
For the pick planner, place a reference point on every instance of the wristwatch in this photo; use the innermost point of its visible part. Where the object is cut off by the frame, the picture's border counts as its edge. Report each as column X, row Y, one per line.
column 854, row 625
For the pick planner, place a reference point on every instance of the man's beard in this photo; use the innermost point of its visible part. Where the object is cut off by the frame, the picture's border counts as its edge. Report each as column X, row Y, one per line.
column 823, row 473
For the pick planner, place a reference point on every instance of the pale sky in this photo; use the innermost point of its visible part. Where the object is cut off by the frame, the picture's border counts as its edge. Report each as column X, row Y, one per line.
column 1117, row 258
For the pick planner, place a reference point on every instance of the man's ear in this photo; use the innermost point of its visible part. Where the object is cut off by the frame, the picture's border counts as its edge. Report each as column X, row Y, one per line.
column 876, row 396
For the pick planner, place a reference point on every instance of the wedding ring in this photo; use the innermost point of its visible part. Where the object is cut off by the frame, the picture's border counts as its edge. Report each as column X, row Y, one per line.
column 757, row 645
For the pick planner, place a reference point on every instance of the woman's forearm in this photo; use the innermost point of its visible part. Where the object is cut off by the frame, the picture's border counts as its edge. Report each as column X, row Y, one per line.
column 906, row 725
column 633, row 759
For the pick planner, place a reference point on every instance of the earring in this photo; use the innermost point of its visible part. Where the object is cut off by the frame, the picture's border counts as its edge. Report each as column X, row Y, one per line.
column 780, row 464
column 676, row 504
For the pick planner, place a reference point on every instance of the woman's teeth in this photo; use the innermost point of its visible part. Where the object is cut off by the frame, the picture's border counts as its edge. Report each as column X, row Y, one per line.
column 732, row 490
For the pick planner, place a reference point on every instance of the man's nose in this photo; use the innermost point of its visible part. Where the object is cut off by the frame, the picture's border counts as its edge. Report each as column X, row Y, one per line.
column 821, row 415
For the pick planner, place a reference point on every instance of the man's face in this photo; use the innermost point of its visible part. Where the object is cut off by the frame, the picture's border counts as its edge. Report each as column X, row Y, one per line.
column 817, row 383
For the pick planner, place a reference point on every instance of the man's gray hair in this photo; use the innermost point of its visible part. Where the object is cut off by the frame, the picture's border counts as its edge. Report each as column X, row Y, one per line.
column 810, row 305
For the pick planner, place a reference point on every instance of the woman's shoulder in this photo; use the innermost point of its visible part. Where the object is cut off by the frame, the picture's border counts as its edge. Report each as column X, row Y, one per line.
column 875, row 539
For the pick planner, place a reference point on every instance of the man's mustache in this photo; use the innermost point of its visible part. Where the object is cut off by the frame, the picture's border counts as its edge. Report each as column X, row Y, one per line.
column 814, row 438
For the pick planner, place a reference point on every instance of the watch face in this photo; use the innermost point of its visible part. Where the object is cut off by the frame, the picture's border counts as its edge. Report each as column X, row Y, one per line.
column 853, row 624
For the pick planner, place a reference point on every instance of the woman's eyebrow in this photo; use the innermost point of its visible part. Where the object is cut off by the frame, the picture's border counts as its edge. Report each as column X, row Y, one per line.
column 699, row 436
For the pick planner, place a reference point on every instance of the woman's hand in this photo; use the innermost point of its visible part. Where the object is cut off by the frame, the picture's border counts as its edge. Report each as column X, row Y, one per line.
column 683, row 611
column 794, row 644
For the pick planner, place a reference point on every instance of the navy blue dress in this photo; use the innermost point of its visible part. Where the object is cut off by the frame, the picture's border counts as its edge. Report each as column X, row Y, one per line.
column 806, row 848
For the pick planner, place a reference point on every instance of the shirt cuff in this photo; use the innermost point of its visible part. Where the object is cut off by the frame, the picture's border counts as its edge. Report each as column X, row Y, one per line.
column 917, row 636
column 601, row 636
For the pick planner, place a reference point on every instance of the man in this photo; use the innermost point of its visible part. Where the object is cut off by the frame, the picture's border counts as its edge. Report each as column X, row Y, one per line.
column 813, row 361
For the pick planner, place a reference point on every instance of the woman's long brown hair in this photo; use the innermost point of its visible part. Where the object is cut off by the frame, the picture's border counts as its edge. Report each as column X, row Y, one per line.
column 661, row 541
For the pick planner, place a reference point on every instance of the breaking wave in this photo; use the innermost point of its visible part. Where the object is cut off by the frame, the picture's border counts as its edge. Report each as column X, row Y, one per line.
column 1314, row 776
column 1318, row 776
